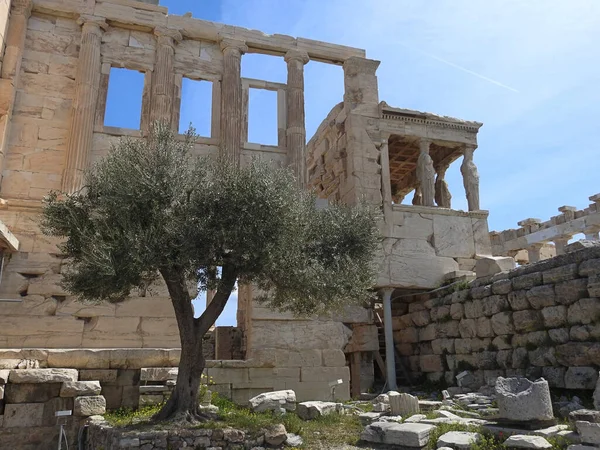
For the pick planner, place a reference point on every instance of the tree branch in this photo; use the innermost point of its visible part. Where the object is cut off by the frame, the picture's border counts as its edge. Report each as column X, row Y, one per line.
column 217, row 305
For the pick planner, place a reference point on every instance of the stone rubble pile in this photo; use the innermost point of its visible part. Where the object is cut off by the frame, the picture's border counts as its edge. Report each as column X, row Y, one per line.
column 523, row 418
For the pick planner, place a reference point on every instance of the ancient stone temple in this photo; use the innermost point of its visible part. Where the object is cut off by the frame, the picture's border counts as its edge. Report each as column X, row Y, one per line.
column 57, row 57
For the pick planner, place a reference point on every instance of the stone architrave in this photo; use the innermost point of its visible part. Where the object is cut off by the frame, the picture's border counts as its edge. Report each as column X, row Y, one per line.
column 296, row 130
column 403, row 404
column 443, row 197
column 11, row 68
column 470, row 178
column 87, row 84
column 521, row 400
column 161, row 108
column 231, row 99
column 426, row 174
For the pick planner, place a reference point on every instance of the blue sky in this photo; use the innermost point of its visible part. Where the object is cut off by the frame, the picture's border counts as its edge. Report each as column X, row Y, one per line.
column 530, row 71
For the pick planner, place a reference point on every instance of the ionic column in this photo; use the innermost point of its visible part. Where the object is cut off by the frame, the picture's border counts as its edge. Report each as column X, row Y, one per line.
column 534, row 253
column 390, row 360
column 560, row 242
column 386, row 184
column 470, row 178
column 426, row 174
column 296, row 129
column 231, row 99
column 11, row 68
column 591, row 234
column 161, row 109
column 443, row 198
column 87, row 82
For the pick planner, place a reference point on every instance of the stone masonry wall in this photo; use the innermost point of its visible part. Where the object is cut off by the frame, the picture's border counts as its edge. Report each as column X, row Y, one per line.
column 537, row 320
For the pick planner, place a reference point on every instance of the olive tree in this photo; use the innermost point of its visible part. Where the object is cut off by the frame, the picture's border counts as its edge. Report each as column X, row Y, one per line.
column 151, row 209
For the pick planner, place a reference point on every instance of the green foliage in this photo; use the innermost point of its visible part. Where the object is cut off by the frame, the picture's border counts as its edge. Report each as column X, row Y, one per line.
column 150, row 205
column 123, row 417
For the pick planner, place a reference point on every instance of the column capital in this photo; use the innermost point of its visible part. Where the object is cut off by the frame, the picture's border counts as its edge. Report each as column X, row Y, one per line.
column 296, row 55
column 92, row 23
column 227, row 43
column 22, row 7
column 168, row 36
column 468, row 149
column 424, row 145
column 355, row 65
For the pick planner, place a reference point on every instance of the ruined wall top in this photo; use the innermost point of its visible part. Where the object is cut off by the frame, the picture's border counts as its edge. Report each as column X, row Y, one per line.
column 146, row 14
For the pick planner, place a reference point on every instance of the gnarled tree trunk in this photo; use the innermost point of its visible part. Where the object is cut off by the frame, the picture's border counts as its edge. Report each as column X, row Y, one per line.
column 183, row 403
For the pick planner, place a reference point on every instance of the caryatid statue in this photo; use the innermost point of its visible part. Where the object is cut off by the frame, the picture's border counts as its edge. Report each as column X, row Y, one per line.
column 426, row 174
column 470, row 178
column 443, row 198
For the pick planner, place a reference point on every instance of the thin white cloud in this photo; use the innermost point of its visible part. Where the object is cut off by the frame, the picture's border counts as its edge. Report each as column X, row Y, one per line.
column 456, row 66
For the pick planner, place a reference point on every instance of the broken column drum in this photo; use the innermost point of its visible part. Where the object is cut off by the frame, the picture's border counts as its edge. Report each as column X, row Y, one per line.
column 522, row 400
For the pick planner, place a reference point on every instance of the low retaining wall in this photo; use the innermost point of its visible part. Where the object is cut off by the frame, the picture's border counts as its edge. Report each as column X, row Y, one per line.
column 541, row 319
column 118, row 370
column 102, row 436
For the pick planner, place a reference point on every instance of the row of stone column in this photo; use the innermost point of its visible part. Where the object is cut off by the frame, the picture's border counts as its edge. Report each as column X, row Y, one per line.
column 534, row 251
column 432, row 188
column 231, row 121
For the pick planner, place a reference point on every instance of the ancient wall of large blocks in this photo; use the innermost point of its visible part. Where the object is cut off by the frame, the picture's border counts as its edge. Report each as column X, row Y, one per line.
column 542, row 319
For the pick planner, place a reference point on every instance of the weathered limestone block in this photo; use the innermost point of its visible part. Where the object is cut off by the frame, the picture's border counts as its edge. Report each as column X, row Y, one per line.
column 502, row 323
column 584, row 311
column 77, row 388
column 569, row 292
column 467, row 328
column 441, row 346
column 407, row 335
column 102, row 375
column 581, row 378
column 583, row 333
column 333, row 358
column 4, row 376
column 520, row 358
column 460, row 440
column 527, row 441
column 527, row 281
column 414, row 435
column 589, row 432
column 593, row 285
column 555, row 376
column 31, row 393
column 312, row 410
column 480, row 292
column 324, row 373
column 42, row 375
column 300, row 335
column 456, row 311
column 403, row 404
column 23, row 415
column 431, row 363
column 491, row 265
column 543, row 356
column 89, row 406
column 473, row 309
column 427, row 333
column 560, row 274
column 504, row 359
column 518, row 300
column 559, row 335
column 589, row 267
column 578, row 354
column 274, row 401
column 448, row 329
column 484, row 327
column 421, row 318
column 541, row 296
column 528, row 320
column 502, row 287
column 502, row 342
column 158, row 373
column 522, row 400
column 554, row 316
